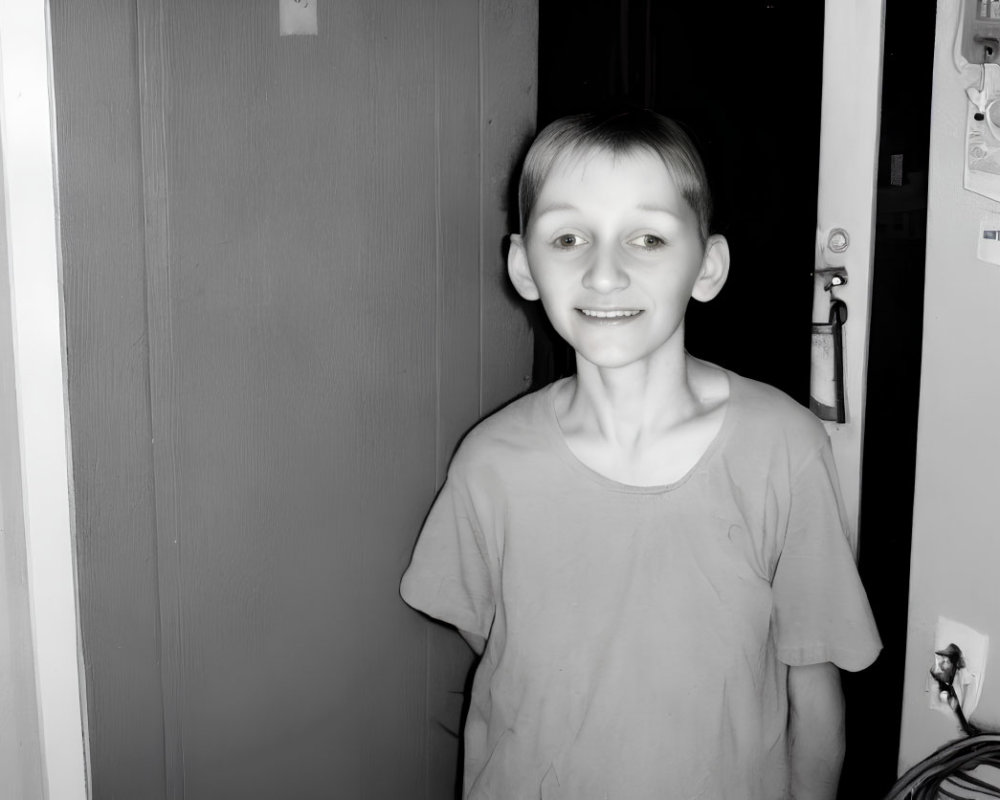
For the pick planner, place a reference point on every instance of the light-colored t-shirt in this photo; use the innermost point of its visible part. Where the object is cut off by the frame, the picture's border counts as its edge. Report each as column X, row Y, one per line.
column 637, row 638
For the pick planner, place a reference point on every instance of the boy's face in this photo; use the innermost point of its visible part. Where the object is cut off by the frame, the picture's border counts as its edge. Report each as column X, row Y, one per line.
column 614, row 253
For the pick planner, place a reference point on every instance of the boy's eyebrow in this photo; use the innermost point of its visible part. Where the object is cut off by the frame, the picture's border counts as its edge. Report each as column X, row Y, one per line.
column 570, row 207
column 556, row 207
column 656, row 208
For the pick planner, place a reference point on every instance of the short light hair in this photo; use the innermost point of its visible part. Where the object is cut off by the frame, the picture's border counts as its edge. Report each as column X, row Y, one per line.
column 618, row 133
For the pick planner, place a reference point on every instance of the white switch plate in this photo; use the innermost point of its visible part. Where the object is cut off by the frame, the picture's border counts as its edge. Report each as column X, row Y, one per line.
column 297, row 17
column 968, row 681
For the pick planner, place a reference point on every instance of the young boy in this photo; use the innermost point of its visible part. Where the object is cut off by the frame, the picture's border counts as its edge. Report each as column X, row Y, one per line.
column 649, row 556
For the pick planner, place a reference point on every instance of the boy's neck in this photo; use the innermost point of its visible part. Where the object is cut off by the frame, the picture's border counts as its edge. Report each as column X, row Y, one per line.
column 639, row 399
column 643, row 427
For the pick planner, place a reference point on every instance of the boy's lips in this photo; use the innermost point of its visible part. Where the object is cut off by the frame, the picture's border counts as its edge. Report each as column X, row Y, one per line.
column 610, row 314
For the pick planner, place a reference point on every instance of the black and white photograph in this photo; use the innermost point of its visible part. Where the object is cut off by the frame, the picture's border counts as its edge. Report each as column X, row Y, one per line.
column 499, row 400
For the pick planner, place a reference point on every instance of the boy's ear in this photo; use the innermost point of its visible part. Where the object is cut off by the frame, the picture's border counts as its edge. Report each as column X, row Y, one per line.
column 714, row 269
column 517, row 268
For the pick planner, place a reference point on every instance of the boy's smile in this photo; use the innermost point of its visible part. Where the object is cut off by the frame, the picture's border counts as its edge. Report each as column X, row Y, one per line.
column 610, row 315
column 614, row 253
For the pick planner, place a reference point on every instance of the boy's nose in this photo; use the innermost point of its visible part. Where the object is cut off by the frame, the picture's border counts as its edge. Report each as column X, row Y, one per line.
column 606, row 274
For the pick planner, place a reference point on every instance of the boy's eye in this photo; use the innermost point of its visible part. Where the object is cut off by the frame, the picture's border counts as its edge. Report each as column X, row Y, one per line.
column 567, row 241
column 648, row 241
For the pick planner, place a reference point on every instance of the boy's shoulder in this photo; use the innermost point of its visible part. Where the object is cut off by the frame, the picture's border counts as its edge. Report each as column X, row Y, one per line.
column 524, row 423
column 768, row 412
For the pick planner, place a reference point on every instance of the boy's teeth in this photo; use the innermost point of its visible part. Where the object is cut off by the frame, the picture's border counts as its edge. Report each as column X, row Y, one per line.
column 590, row 312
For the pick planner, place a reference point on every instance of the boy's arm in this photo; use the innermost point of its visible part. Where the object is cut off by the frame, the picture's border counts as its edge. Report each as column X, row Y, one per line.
column 815, row 731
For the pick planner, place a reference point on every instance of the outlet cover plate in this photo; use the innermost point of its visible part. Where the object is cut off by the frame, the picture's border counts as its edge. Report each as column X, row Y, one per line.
column 968, row 681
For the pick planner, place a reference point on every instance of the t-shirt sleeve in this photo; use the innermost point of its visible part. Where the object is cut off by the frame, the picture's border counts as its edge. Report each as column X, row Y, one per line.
column 450, row 576
column 820, row 609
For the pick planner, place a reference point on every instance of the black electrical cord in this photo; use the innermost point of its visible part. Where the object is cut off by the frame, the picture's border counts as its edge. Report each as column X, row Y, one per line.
column 948, row 770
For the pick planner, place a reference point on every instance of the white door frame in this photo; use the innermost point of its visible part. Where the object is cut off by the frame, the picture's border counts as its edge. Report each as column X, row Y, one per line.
column 28, row 148
column 851, row 107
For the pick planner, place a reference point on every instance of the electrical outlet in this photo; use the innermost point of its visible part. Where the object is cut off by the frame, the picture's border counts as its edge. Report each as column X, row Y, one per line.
column 968, row 683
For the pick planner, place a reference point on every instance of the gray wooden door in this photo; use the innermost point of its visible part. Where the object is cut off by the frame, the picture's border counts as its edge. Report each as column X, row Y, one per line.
column 302, row 310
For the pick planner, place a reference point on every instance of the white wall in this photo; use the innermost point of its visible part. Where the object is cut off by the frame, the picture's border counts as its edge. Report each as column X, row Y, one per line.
column 34, row 381
column 955, row 564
